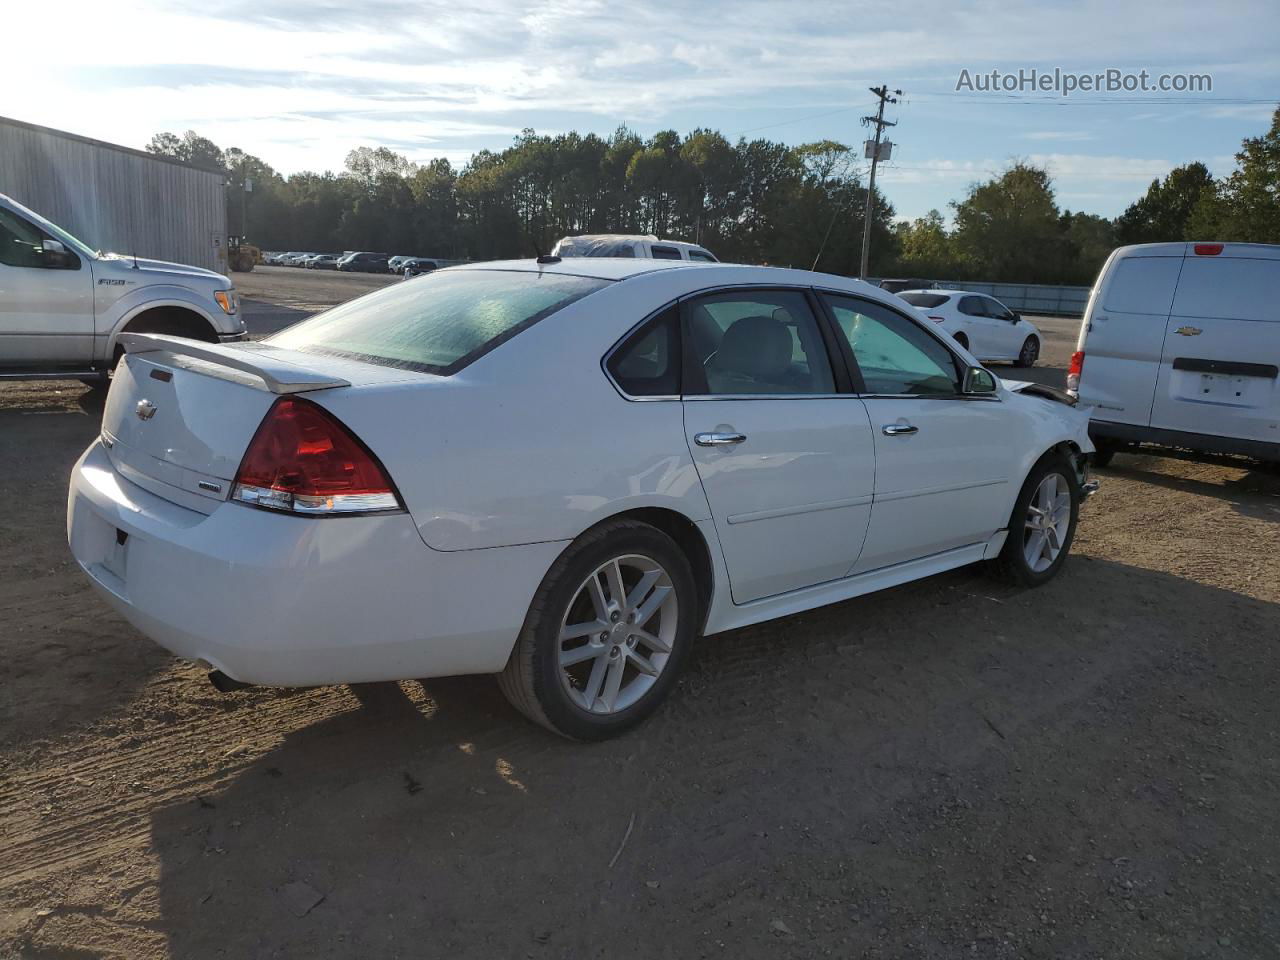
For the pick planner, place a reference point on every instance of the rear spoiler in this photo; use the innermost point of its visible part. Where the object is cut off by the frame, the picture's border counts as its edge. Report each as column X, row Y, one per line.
column 270, row 365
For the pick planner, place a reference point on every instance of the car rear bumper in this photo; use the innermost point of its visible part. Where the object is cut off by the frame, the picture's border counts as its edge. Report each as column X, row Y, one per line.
column 296, row 601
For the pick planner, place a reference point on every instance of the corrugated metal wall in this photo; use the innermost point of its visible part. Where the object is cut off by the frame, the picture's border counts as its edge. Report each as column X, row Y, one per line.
column 114, row 198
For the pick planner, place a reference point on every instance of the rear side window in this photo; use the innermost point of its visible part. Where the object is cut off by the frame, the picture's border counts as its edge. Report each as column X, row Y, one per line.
column 1142, row 285
column 702, row 255
column 439, row 323
column 647, row 364
column 1229, row 288
column 925, row 300
column 665, row 253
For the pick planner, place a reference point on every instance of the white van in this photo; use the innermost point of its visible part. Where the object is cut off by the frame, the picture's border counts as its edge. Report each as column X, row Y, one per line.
column 642, row 246
column 1179, row 346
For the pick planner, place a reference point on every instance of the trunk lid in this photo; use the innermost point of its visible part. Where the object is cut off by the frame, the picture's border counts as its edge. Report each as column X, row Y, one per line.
column 180, row 413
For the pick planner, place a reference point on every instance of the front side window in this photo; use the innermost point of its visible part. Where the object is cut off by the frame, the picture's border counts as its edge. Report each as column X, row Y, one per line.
column 21, row 244
column 972, row 306
column 894, row 355
column 647, row 364
column 757, row 342
column 440, row 322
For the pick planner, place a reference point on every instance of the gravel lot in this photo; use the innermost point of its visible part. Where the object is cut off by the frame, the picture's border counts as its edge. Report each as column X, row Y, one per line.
column 950, row 768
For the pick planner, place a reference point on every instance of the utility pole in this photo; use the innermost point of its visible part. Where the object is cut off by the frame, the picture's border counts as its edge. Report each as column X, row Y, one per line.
column 873, row 150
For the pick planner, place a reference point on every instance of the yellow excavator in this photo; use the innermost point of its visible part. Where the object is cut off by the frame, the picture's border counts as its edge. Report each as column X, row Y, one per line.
column 242, row 255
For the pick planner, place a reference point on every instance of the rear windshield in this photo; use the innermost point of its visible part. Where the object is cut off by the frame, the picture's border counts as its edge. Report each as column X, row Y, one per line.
column 925, row 300
column 441, row 321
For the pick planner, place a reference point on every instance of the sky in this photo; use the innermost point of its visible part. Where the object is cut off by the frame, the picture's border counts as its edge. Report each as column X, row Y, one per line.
column 299, row 84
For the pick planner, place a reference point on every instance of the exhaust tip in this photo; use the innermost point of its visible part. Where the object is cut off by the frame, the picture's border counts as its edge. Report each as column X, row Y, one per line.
column 224, row 684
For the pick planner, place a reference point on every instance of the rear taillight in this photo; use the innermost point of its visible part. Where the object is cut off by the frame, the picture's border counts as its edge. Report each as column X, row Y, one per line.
column 1208, row 249
column 1074, row 369
column 302, row 460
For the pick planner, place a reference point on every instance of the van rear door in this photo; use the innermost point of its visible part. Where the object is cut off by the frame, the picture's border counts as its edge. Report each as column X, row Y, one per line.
column 1218, row 367
column 1123, row 330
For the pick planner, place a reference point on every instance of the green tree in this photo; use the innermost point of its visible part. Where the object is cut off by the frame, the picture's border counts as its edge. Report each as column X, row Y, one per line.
column 190, row 148
column 1163, row 213
column 1246, row 207
column 1008, row 227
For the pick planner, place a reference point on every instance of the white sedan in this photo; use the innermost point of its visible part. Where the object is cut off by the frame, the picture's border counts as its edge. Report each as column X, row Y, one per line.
column 558, row 472
column 982, row 325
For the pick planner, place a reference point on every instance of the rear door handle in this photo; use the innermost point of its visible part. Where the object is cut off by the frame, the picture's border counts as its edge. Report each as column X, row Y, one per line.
column 718, row 439
column 899, row 429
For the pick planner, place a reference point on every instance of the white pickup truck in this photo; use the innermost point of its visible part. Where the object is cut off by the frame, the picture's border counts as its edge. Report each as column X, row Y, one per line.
column 63, row 305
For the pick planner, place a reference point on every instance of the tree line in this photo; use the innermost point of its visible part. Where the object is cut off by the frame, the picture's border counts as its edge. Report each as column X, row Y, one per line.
column 753, row 201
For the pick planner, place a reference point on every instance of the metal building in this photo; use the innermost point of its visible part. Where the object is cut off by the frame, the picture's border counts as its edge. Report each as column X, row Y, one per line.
column 116, row 198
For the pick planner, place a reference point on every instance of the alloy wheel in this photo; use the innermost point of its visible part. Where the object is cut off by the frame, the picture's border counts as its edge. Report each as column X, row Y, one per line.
column 1047, row 522
column 617, row 634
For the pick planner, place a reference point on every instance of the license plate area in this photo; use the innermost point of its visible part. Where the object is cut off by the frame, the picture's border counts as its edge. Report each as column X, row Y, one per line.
column 117, row 554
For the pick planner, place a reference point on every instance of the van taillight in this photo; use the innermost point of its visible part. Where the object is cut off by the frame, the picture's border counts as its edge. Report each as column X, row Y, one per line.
column 302, row 460
column 1208, row 249
column 1074, row 369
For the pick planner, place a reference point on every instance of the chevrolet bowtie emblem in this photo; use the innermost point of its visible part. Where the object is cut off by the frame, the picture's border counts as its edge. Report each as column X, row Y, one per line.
column 145, row 409
column 1188, row 331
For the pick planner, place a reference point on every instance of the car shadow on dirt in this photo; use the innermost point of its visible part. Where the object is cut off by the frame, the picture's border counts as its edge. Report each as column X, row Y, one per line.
column 951, row 766
column 1252, row 488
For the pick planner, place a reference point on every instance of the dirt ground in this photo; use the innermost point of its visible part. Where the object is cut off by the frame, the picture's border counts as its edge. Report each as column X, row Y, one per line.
column 948, row 769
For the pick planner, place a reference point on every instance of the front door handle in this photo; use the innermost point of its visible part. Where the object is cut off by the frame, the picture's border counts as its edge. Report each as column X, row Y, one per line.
column 718, row 439
column 899, row 429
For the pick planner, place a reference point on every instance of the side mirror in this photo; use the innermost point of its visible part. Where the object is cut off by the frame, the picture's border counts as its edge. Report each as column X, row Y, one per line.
column 978, row 382
column 56, row 255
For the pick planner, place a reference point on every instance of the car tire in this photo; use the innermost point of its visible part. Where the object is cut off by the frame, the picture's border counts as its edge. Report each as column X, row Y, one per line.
column 1036, row 548
column 597, row 683
column 961, row 339
column 1029, row 353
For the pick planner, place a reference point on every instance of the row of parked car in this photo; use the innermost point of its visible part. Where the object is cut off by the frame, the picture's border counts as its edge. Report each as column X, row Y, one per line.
column 354, row 261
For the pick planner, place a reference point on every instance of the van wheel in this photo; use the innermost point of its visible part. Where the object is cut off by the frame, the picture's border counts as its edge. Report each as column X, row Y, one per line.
column 1030, row 352
column 1042, row 525
column 607, row 633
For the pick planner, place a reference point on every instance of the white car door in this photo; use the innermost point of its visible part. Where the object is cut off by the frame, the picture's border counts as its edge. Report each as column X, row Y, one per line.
column 975, row 325
column 944, row 461
column 46, row 299
column 786, row 459
column 1006, row 336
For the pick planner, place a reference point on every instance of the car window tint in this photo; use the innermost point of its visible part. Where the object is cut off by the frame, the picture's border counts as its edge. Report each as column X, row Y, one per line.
column 664, row 253
column 971, row 306
column 925, row 300
column 701, row 255
column 647, row 364
column 894, row 355
column 440, row 322
column 21, row 244
column 757, row 343
column 994, row 308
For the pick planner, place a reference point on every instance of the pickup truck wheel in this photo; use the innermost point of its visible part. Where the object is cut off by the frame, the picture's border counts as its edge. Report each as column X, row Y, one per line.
column 606, row 634
column 1042, row 525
